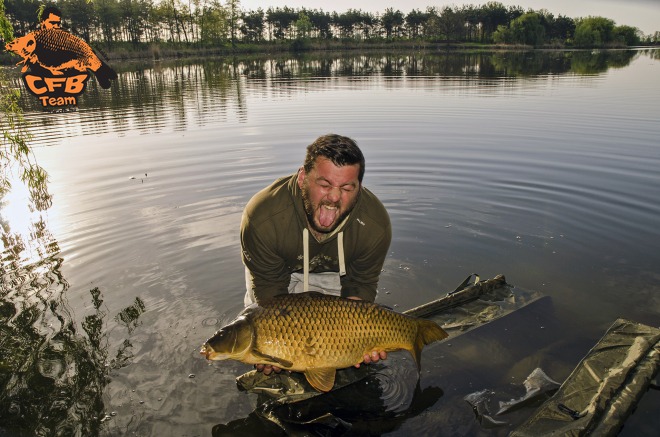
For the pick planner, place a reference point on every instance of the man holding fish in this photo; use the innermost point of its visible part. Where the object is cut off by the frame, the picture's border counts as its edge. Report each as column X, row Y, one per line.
column 317, row 230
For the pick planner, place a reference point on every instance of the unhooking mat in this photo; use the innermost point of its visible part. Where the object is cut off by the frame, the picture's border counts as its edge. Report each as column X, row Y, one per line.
column 602, row 391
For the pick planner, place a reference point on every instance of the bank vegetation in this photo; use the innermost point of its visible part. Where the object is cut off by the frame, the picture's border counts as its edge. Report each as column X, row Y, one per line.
column 125, row 28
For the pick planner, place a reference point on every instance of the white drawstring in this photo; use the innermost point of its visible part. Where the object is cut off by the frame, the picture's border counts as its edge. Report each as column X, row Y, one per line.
column 340, row 252
column 306, row 260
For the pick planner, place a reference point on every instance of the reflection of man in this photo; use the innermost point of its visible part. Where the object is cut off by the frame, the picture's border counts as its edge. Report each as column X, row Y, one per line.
column 51, row 18
column 317, row 230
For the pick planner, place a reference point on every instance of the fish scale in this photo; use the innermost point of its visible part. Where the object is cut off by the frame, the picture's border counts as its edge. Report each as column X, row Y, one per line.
column 297, row 331
column 66, row 47
column 317, row 334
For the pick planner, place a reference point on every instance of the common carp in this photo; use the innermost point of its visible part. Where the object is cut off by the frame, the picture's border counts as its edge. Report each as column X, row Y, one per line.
column 317, row 334
column 57, row 50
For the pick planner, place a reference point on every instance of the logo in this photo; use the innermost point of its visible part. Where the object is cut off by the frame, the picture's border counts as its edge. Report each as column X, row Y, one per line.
column 57, row 64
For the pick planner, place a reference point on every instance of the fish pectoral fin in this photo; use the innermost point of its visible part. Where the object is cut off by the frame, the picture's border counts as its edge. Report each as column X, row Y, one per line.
column 271, row 359
column 322, row 379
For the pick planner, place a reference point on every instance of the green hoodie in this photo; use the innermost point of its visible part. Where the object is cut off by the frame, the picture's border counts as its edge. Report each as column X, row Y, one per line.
column 272, row 242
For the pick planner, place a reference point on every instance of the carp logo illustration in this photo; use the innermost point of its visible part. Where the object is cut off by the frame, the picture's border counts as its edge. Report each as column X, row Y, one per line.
column 56, row 64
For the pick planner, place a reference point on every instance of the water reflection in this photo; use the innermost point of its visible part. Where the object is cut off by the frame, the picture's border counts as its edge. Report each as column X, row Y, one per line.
column 52, row 373
column 177, row 95
column 370, row 400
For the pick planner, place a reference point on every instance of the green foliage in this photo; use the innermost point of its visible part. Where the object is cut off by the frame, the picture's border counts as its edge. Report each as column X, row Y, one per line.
column 627, row 35
column 216, row 23
column 527, row 29
column 252, row 25
column 303, row 26
column 594, row 32
column 15, row 152
column 6, row 28
column 392, row 22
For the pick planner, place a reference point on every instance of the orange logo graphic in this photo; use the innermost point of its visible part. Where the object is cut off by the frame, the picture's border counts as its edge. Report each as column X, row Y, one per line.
column 58, row 62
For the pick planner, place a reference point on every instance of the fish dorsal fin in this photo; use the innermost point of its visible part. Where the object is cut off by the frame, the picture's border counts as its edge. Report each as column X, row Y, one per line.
column 269, row 359
column 322, row 379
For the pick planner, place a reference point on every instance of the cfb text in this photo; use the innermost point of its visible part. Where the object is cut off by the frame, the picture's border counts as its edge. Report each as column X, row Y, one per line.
column 56, row 90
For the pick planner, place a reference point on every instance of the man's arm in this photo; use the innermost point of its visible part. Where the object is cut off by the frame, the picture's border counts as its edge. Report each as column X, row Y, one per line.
column 363, row 272
column 268, row 276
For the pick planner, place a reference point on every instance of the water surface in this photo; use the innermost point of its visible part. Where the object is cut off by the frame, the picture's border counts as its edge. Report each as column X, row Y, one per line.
column 540, row 166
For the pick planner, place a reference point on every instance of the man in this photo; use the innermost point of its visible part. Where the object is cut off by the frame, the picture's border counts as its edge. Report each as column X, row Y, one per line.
column 51, row 18
column 317, row 230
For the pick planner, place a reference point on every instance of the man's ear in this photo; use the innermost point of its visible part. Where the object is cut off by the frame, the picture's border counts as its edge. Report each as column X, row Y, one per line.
column 301, row 177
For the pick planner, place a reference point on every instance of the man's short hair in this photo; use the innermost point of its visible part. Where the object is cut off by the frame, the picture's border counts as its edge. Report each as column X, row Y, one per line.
column 339, row 150
column 50, row 10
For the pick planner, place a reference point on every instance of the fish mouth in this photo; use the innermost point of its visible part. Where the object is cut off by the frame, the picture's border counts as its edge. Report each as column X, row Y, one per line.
column 210, row 354
column 207, row 351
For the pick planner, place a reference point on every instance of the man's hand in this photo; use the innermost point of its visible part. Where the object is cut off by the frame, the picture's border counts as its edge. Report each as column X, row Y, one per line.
column 373, row 357
column 267, row 369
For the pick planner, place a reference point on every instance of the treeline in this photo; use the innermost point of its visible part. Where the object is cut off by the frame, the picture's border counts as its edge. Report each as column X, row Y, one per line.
column 212, row 23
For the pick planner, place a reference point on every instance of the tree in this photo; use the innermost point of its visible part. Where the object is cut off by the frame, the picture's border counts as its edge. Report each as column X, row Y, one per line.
column 347, row 22
column 415, row 21
column 471, row 22
column 392, row 22
column 15, row 151
column 109, row 19
column 22, row 14
column 447, row 25
column 527, row 29
column 561, row 28
column 281, row 20
column 234, row 11
column 594, row 32
column 303, row 26
column 252, row 25
column 134, row 15
column 214, row 29
column 493, row 14
column 321, row 21
column 627, row 35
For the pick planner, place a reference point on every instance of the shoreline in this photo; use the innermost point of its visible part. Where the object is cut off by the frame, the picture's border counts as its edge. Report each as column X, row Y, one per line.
column 127, row 52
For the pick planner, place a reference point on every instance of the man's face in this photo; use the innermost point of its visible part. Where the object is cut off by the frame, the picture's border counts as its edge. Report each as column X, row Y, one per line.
column 52, row 22
column 329, row 193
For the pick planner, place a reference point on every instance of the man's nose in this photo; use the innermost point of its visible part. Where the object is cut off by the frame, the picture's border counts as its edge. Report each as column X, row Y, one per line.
column 334, row 194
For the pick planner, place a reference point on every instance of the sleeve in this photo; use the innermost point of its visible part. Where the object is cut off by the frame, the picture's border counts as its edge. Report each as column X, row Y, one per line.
column 268, row 275
column 363, row 272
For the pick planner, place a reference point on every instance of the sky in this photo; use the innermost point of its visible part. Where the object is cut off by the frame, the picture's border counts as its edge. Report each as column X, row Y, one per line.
column 643, row 14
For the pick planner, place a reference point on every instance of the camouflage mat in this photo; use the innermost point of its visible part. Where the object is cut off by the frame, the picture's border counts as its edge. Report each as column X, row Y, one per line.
column 603, row 390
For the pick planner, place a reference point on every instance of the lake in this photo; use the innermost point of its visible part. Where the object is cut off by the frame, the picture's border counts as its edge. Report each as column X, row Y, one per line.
column 542, row 166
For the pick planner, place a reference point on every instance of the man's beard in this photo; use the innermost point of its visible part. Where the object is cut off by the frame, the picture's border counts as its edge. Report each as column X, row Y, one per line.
column 310, row 210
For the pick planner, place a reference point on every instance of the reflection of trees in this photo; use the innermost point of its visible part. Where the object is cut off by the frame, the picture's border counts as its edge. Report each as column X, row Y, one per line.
column 586, row 62
column 52, row 375
column 560, row 62
column 171, row 95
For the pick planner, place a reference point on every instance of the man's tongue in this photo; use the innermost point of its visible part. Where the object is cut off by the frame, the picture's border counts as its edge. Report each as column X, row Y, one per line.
column 327, row 215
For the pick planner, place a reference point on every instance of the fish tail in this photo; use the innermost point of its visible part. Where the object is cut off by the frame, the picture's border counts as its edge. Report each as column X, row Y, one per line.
column 427, row 333
column 104, row 74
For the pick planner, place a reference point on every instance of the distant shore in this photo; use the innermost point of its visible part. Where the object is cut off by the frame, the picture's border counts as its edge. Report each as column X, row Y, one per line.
column 168, row 51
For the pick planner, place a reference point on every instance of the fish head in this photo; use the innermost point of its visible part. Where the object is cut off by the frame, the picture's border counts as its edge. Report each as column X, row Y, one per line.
column 231, row 342
column 23, row 46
